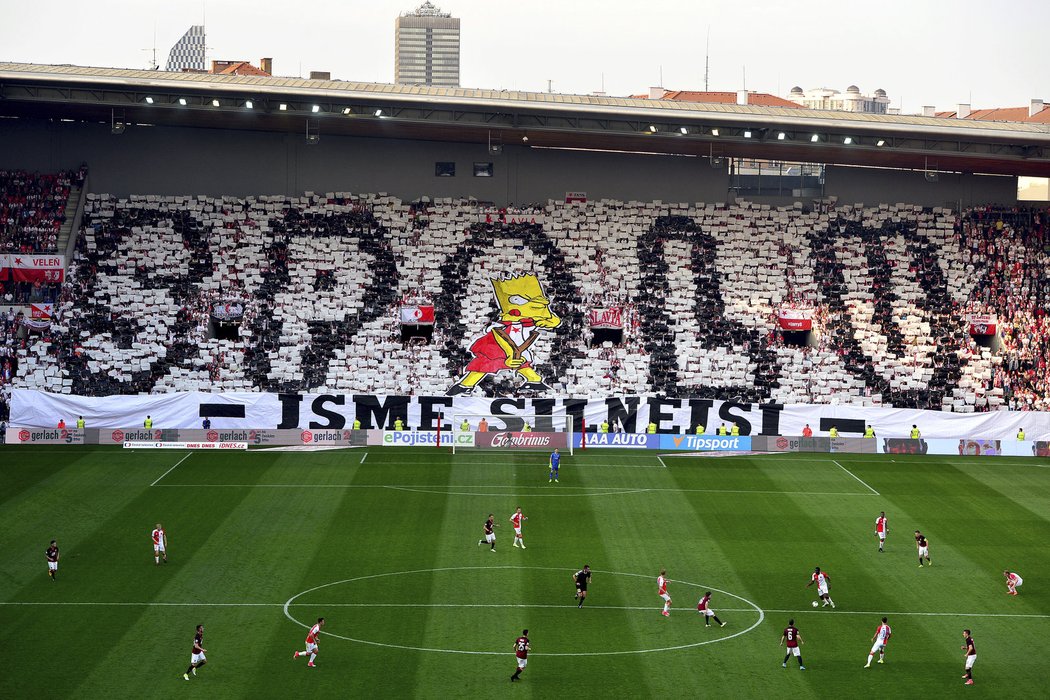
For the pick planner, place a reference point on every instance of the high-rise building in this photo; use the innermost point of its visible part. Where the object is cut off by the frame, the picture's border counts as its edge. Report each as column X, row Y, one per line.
column 426, row 47
column 188, row 52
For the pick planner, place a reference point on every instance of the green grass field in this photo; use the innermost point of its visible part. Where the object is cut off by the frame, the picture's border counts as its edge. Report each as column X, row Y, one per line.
column 383, row 543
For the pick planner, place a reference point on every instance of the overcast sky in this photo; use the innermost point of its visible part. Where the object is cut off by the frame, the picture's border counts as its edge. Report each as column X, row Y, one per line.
column 990, row 54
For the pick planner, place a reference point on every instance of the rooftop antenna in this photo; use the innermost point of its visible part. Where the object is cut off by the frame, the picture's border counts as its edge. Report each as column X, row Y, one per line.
column 661, row 76
column 743, row 70
column 707, row 59
column 550, row 85
column 153, row 62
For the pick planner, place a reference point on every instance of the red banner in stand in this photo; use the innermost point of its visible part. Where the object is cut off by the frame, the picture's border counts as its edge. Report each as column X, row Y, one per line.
column 983, row 324
column 796, row 319
column 21, row 267
column 607, row 318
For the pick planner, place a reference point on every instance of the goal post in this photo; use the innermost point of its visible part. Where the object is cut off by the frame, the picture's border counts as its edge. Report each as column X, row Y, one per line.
column 506, row 431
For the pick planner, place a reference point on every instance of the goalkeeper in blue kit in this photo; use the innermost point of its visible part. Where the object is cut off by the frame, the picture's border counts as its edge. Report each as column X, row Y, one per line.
column 555, row 461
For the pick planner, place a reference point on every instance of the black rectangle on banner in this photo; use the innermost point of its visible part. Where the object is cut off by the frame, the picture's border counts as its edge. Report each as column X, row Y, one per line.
column 844, row 425
column 222, row 410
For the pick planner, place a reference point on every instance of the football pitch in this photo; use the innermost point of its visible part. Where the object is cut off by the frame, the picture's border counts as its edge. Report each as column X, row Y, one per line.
column 383, row 543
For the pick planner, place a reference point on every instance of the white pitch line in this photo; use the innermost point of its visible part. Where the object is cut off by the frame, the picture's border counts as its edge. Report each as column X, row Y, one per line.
column 601, row 490
column 880, row 613
column 364, row 457
column 662, row 463
column 650, row 608
column 836, row 463
column 170, row 470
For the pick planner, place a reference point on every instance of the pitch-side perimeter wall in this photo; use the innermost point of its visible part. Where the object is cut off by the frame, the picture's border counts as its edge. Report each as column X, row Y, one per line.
column 244, row 411
column 187, row 439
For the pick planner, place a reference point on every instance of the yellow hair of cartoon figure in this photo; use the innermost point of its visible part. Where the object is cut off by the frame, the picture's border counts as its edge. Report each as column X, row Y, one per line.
column 522, row 297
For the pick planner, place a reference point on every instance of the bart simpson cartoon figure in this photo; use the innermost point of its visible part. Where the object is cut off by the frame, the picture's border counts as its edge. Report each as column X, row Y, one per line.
column 524, row 312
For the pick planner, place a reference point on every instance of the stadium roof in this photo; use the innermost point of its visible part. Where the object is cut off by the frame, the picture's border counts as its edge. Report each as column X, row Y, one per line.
column 500, row 116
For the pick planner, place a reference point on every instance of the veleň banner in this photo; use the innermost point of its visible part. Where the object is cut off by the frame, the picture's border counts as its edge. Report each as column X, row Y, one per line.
column 23, row 267
column 706, row 443
column 629, row 414
column 633, row 441
column 505, row 440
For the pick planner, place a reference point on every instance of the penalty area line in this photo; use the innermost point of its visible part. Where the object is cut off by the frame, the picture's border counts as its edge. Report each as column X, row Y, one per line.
column 836, row 463
column 170, row 470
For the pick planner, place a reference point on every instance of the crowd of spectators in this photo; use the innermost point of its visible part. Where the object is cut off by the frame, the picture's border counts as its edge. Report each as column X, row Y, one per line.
column 14, row 335
column 32, row 208
column 1007, row 249
column 1011, row 249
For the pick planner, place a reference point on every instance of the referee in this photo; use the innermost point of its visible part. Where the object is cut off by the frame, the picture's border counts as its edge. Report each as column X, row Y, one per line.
column 582, row 579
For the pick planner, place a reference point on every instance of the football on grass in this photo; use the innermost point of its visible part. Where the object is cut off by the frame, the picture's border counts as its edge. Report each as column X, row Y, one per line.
column 815, row 603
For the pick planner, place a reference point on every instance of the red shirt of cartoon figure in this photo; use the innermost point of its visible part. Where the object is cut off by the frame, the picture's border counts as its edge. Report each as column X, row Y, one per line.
column 521, row 647
column 489, row 355
column 661, row 585
column 883, row 634
column 516, row 519
column 313, row 634
column 821, row 578
column 702, row 605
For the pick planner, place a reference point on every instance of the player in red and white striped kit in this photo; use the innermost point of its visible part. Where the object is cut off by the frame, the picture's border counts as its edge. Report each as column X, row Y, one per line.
column 311, row 643
column 661, row 590
column 822, row 579
column 880, row 639
column 881, row 527
column 160, row 545
column 517, row 520
column 1013, row 580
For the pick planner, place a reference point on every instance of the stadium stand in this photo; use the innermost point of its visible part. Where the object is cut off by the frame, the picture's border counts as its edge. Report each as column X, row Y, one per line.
column 320, row 279
column 32, row 208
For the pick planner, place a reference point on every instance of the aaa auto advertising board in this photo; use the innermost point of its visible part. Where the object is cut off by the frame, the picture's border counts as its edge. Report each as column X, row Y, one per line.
column 634, row 441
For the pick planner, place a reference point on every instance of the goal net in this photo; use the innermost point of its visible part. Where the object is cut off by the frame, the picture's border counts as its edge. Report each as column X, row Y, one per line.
column 504, row 431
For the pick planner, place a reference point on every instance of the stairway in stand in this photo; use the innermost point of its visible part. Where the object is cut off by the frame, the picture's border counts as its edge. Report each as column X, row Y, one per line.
column 66, row 231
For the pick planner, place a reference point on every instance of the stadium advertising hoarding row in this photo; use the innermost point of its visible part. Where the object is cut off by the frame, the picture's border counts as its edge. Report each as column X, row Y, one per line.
column 628, row 414
column 234, row 439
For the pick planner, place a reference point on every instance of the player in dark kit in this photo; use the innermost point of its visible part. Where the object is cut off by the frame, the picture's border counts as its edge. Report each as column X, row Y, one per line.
column 704, row 608
column 582, row 579
column 521, row 651
column 197, row 657
column 52, row 559
column 490, row 534
column 792, row 638
column 924, row 549
column 971, row 656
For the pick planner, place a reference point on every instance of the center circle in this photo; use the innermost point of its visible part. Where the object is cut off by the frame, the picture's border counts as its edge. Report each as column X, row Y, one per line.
column 291, row 601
